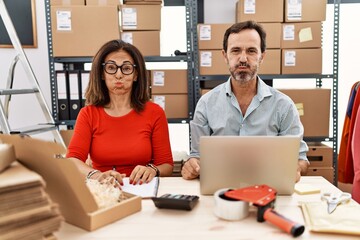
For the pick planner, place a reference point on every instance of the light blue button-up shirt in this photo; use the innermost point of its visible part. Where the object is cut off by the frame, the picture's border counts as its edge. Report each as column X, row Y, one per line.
column 269, row 113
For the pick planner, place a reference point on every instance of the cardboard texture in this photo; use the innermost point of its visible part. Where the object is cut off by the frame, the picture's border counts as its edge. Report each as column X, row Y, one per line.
column 326, row 172
column 143, row 2
column 140, row 17
column 71, row 26
column 271, row 63
column 260, row 11
column 305, row 11
column 67, row 2
column 103, row 2
column 78, row 206
column 169, row 81
column 314, row 109
column 273, row 33
column 320, row 155
column 301, row 35
column 67, row 135
column 141, row 40
column 211, row 36
column 7, row 155
column 296, row 61
column 174, row 105
column 212, row 63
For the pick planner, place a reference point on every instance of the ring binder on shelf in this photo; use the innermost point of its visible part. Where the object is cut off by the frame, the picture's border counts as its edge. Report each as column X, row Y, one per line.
column 75, row 93
column 62, row 95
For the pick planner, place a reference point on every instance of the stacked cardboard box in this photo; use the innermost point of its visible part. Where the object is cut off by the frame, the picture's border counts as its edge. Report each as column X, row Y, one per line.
column 169, row 89
column 321, row 161
column 140, row 24
column 300, row 33
column 26, row 210
column 75, row 30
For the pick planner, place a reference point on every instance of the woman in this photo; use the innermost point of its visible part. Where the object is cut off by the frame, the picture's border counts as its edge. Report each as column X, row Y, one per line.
column 122, row 132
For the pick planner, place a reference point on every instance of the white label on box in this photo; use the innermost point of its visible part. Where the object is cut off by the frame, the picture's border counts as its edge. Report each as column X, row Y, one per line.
column 289, row 32
column 129, row 18
column 294, row 10
column 160, row 100
column 305, row 35
column 63, row 20
column 127, row 37
column 290, row 57
column 158, row 78
column 205, row 32
column 205, row 59
column 249, row 6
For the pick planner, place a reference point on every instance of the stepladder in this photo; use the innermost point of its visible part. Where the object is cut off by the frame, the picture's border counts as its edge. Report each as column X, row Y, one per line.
column 32, row 88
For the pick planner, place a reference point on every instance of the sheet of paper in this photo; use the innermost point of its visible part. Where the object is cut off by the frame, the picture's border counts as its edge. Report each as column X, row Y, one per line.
column 145, row 190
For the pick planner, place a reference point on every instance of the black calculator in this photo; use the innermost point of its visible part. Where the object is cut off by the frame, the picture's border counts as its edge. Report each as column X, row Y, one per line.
column 176, row 201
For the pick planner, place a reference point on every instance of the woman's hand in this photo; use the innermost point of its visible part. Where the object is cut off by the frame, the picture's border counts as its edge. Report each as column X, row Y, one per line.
column 110, row 177
column 142, row 174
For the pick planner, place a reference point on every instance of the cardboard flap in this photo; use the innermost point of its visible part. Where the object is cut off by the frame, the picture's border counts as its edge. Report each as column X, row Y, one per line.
column 65, row 184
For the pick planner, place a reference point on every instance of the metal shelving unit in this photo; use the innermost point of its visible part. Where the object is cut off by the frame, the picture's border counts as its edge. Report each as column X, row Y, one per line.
column 70, row 63
column 318, row 77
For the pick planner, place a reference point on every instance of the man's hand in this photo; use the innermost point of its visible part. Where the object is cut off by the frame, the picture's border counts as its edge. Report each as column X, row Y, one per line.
column 191, row 169
column 302, row 169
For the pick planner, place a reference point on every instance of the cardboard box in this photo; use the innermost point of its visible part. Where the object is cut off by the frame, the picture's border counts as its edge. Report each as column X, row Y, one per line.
column 212, row 63
column 301, row 35
column 326, row 172
column 260, row 11
column 271, row 63
column 211, row 36
column 314, row 109
column 77, row 33
column 141, row 40
column 305, row 11
column 320, row 155
column 169, row 81
column 140, row 17
column 103, row 2
column 78, row 205
column 273, row 33
column 174, row 105
column 66, row 2
column 297, row 61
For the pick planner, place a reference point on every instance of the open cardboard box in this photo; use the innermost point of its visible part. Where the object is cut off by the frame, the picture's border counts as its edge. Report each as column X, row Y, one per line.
column 66, row 186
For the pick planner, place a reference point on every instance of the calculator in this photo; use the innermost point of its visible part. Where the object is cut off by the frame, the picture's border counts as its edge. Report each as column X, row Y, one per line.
column 176, row 201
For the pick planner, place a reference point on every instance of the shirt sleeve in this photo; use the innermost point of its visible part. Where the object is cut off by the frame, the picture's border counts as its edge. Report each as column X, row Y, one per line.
column 291, row 125
column 160, row 139
column 199, row 126
column 80, row 142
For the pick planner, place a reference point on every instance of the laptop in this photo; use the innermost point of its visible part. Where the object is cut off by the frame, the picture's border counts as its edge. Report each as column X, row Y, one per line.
column 240, row 161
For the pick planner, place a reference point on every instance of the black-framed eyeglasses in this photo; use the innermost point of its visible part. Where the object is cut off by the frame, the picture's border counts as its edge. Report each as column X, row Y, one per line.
column 112, row 68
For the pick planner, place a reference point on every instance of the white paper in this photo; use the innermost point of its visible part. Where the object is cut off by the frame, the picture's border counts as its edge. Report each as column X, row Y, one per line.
column 145, row 190
column 160, row 100
column 290, row 58
column 61, row 85
column 63, row 20
column 249, row 6
column 294, row 10
column 158, row 78
column 85, row 77
column 289, row 32
column 205, row 32
column 127, row 37
column 129, row 18
column 205, row 59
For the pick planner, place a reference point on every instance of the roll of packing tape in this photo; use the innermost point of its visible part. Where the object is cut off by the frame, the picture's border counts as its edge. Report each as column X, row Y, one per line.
column 229, row 209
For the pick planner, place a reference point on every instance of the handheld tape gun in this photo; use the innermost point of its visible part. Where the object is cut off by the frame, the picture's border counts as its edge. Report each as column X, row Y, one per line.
column 263, row 197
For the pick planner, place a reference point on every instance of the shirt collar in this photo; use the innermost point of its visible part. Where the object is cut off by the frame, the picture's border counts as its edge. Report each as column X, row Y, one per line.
column 263, row 90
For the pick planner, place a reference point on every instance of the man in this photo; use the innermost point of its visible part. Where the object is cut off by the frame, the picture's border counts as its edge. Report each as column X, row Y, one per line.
column 244, row 105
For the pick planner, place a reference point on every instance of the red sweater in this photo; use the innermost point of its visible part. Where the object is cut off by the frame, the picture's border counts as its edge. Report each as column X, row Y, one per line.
column 121, row 142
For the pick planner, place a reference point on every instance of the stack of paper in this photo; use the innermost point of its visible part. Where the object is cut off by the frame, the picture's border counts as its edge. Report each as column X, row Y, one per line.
column 26, row 211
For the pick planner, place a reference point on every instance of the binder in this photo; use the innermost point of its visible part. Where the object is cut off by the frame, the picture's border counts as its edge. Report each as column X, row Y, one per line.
column 62, row 96
column 75, row 92
column 85, row 76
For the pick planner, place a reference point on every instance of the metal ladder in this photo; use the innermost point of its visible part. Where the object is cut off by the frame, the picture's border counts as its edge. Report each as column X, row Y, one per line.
column 9, row 91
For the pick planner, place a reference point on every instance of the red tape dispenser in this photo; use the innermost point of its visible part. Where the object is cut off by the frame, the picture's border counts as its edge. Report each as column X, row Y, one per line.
column 263, row 197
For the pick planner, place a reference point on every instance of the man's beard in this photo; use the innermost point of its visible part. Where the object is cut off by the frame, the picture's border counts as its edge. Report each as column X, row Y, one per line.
column 242, row 76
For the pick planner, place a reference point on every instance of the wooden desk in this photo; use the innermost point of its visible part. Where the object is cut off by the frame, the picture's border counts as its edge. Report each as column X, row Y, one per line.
column 201, row 223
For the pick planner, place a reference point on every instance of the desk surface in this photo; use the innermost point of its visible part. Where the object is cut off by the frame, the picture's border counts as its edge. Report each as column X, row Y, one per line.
column 201, row 223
